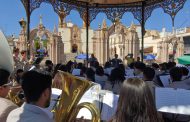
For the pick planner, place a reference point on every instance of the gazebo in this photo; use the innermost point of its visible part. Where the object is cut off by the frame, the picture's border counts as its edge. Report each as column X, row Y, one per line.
column 114, row 9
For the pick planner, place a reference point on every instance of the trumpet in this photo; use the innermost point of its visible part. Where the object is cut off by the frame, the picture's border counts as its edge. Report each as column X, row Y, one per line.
column 73, row 88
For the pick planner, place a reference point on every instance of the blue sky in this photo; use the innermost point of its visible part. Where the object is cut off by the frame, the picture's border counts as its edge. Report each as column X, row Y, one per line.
column 11, row 11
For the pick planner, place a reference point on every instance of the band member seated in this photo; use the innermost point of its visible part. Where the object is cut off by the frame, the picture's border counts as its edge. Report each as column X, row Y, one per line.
column 37, row 91
column 6, row 105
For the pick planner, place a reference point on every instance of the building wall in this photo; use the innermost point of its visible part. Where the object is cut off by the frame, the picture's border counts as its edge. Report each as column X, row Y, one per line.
column 90, row 40
column 66, row 38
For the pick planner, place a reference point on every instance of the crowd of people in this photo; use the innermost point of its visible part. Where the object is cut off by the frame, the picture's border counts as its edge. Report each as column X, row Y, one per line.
column 134, row 83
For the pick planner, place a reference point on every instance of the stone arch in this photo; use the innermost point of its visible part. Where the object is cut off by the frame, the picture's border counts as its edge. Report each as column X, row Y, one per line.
column 34, row 33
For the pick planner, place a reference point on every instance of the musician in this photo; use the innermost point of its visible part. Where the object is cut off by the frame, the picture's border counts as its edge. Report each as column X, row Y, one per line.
column 135, row 103
column 138, row 69
column 25, row 63
column 148, row 76
column 116, row 61
column 176, row 76
column 37, row 91
column 6, row 105
column 17, row 62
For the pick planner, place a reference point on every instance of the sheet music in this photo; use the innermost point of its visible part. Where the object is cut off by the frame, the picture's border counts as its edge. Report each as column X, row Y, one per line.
column 165, row 79
column 173, row 100
column 54, row 96
column 109, row 105
column 108, row 70
column 129, row 72
column 76, row 72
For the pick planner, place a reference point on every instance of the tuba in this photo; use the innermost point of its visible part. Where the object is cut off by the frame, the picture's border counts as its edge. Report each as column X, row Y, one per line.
column 6, row 57
column 73, row 89
column 7, row 63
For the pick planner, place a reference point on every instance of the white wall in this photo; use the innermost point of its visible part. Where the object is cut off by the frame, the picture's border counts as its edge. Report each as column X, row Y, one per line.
column 66, row 38
column 90, row 41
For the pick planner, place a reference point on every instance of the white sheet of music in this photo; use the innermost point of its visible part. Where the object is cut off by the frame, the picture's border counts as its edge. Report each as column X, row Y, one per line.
column 109, row 105
column 55, row 94
column 165, row 79
column 129, row 72
column 76, row 72
column 171, row 100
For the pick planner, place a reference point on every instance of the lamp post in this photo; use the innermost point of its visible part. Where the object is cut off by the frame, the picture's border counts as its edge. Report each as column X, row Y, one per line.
column 22, row 23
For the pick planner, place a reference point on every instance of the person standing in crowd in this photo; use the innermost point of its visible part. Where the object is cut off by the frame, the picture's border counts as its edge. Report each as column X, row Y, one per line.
column 138, row 69
column 115, row 81
column 17, row 62
column 24, row 61
column 115, row 61
column 185, row 73
column 135, row 103
column 176, row 77
column 90, row 74
column 49, row 67
column 129, row 59
column 100, row 77
column 37, row 91
column 138, row 59
column 92, row 58
column 148, row 76
column 6, row 105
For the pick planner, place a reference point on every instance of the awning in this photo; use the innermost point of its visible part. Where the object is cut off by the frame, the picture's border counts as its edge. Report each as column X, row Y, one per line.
column 184, row 59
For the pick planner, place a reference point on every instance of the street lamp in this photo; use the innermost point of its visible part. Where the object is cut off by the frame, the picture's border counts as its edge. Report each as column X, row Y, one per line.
column 22, row 23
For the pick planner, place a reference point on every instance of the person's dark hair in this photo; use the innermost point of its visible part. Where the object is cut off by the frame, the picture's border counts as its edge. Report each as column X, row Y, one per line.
column 90, row 74
column 56, row 69
column 79, row 66
column 174, row 64
column 155, row 65
column 163, row 66
column 83, row 71
column 48, row 62
column 107, row 65
column 4, row 76
column 117, row 75
column 139, row 65
column 19, row 71
column 176, row 74
column 184, row 71
column 148, row 73
column 69, row 66
column 136, row 103
column 34, row 84
column 63, row 68
column 100, row 71
column 122, row 67
column 138, row 59
column 131, row 65
column 17, row 76
column 171, row 65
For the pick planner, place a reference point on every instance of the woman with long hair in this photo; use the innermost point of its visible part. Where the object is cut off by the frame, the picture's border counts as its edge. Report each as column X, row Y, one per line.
column 135, row 103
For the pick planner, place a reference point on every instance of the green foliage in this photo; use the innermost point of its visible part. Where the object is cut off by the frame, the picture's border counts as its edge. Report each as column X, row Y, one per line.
column 45, row 42
column 36, row 43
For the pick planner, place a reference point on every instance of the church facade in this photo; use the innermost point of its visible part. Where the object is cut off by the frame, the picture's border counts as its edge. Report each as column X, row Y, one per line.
column 69, row 40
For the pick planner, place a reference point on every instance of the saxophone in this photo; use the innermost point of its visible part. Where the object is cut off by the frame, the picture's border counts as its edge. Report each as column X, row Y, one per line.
column 73, row 89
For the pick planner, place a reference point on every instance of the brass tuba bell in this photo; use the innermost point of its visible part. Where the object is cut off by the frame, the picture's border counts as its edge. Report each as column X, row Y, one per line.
column 7, row 63
column 6, row 57
column 73, row 89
